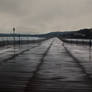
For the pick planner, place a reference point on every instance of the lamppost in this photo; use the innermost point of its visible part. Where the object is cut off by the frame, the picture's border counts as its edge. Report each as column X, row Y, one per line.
column 14, row 39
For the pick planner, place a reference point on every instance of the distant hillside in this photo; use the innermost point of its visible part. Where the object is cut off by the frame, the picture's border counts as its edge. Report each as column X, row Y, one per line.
column 82, row 33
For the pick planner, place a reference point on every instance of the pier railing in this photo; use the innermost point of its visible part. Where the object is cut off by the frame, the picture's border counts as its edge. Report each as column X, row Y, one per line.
column 18, row 39
column 84, row 45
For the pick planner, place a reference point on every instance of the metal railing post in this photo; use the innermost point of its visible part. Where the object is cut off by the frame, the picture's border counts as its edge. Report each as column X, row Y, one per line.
column 90, row 49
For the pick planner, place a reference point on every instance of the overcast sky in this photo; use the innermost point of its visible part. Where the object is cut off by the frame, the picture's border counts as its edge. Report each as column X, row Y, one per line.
column 41, row 16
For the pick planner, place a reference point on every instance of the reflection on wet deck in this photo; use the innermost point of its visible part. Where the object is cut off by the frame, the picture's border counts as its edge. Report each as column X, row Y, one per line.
column 48, row 67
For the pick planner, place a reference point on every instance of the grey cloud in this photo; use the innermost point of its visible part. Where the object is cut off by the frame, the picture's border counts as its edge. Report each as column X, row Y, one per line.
column 14, row 7
column 45, row 15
